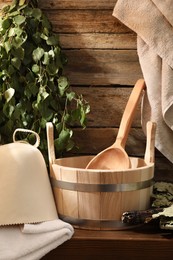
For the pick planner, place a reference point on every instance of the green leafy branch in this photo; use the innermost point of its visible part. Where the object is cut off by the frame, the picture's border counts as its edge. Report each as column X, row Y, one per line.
column 33, row 89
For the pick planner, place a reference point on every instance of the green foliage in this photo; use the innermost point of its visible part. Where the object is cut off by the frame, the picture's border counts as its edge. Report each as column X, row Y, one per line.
column 33, row 89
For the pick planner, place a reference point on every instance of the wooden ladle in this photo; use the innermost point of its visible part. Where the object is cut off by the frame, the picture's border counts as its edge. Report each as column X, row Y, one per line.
column 115, row 157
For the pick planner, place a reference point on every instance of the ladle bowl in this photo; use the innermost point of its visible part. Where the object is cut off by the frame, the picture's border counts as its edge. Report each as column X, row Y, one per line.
column 115, row 156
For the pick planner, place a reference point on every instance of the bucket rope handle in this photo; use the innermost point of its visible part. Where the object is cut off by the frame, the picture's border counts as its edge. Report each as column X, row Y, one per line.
column 50, row 142
column 150, row 146
column 37, row 142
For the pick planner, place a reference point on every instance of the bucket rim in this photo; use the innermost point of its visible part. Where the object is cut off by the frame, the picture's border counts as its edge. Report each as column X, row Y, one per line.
column 148, row 166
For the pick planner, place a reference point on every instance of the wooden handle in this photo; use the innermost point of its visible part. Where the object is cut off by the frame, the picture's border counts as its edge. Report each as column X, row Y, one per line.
column 129, row 112
column 50, row 142
column 150, row 146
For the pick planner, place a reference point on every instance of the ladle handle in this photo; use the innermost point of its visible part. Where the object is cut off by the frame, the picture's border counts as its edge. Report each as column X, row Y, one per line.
column 129, row 112
column 150, row 146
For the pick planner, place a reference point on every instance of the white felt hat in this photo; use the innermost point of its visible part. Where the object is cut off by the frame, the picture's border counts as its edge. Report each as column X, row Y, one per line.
column 25, row 191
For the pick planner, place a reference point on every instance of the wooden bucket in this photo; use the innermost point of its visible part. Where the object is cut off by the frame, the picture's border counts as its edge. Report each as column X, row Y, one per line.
column 96, row 199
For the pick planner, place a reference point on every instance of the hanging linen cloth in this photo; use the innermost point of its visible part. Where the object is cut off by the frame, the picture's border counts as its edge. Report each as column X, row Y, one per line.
column 152, row 20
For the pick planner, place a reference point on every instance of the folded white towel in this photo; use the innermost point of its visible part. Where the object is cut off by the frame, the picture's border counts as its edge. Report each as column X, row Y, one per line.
column 32, row 241
column 152, row 20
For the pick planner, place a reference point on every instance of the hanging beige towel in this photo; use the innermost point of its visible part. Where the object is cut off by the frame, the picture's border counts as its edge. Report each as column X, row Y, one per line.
column 152, row 20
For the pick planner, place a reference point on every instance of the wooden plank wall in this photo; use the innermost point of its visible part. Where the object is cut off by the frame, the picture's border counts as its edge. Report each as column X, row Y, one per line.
column 103, row 66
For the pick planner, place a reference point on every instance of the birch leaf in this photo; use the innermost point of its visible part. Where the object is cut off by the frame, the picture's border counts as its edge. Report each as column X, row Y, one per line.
column 9, row 93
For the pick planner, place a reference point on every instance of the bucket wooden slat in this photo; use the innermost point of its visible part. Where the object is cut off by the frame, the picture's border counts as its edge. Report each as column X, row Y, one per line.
column 58, row 193
column 111, row 210
column 139, row 199
column 89, row 210
column 67, row 200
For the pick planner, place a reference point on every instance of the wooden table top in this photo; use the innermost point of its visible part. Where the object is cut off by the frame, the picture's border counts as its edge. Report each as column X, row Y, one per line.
column 143, row 242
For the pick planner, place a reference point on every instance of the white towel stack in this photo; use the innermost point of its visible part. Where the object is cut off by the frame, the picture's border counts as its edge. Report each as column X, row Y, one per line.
column 32, row 241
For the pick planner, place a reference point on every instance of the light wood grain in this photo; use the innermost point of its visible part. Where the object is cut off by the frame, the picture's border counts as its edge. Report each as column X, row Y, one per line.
column 98, row 41
column 97, row 67
column 88, row 200
column 107, row 105
column 76, row 4
column 63, row 197
column 68, row 4
column 94, row 140
column 85, row 21
column 111, row 201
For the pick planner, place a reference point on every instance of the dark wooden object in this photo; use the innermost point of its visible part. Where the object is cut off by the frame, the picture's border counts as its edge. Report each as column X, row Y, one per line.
column 144, row 243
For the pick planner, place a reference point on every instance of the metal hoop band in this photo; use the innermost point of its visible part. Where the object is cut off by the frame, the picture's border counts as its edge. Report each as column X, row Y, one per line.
column 83, row 187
